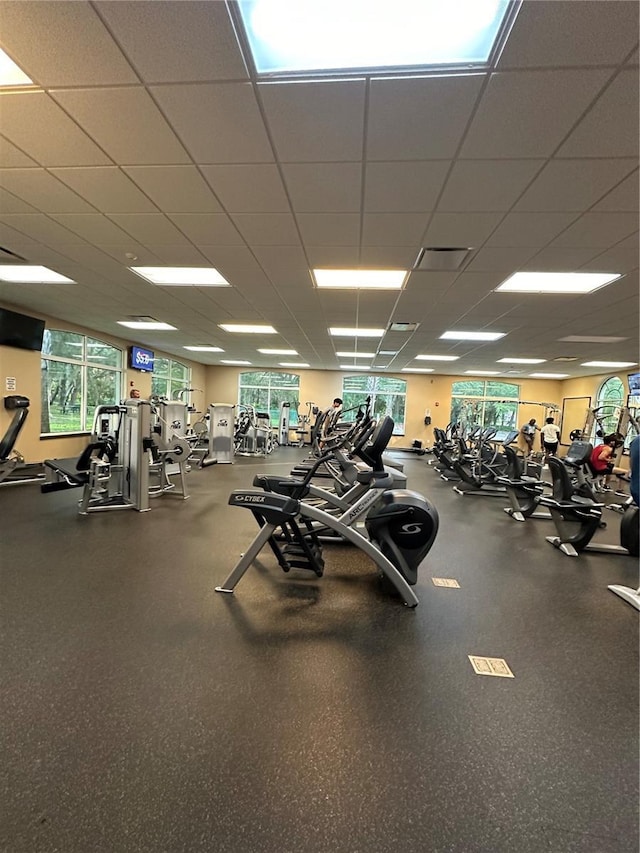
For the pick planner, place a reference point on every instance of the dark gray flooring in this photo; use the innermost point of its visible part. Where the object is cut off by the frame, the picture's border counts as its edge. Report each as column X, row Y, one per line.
column 142, row 711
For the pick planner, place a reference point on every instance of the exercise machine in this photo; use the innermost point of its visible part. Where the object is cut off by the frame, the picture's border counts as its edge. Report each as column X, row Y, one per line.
column 13, row 468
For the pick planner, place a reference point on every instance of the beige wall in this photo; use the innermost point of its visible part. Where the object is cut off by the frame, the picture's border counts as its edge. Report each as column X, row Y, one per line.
column 24, row 366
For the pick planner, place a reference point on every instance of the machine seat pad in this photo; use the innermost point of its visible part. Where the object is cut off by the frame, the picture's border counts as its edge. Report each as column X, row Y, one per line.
column 281, row 485
column 67, row 467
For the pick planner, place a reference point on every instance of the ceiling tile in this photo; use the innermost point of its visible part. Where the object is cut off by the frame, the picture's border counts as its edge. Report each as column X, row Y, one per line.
column 573, row 184
column 175, row 189
column 403, row 187
column 125, row 123
column 616, row 108
column 419, row 118
column 460, row 229
column 515, row 106
column 486, row 185
column 38, row 227
column 150, row 228
column 393, row 229
column 10, row 203
column 336, row 257
column 107, row 188
column 597, row 229
column 208, row 229
column 34, row 33
column 42, row 190
column 63, row 144
column 319, row 121
column 555, row 259
column 329, row 229
column 179, row 43
column 530, row 229
column 218, row 123
column 267, row 229
column 12, row 157
column 394, row 257
column 562, row 34
column 248, row 188
column 500, row 259
column 623, row 197
column 179, row 255
column 93, row 227
column 323, row 187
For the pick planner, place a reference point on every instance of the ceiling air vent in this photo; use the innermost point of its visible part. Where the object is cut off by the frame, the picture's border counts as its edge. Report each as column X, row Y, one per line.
column 6, row 254
column 142, row 319
column 441, row 258
column 403, row 327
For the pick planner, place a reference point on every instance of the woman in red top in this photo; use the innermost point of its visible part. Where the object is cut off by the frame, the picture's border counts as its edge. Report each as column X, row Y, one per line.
column 600, row 460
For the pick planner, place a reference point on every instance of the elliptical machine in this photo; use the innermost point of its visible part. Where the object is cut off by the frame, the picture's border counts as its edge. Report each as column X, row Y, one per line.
column 401, row 529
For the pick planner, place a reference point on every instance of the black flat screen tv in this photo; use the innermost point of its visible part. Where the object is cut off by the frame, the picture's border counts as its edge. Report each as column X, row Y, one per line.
column 20, row 331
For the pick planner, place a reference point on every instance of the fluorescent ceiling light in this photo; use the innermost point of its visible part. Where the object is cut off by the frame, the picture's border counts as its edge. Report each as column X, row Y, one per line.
column 356, row 354
column 355, row 333
column 145, row 324
column 293, row 364
column 592, row 339
column 549, row 375
column 437, row 357
column 360, row 279
column 483, row 372
column 10, row 74
column 233, row 361
column 205, row 349
column 31, row 274
column 472, row 336
column 182, row 276
column 248, row 329
column 304, row 37
column 278, row 351
column 388, row 352
column 609, row 363
column 521, row 360
column 557, row 282
column 354, row 367
column 418, row 369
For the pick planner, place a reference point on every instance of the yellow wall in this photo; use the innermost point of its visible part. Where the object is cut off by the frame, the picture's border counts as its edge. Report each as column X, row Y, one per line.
column 24, row 366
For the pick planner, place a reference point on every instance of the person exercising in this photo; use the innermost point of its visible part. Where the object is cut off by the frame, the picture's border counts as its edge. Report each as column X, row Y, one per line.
column 601, row 462
column 330, row 419
column 550, row 436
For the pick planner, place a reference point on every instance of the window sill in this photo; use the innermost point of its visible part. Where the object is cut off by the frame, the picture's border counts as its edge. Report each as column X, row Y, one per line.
column 47, row 436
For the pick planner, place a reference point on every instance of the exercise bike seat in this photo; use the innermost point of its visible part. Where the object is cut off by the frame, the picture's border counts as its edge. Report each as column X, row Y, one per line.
column 281, row 485
column 379, row 479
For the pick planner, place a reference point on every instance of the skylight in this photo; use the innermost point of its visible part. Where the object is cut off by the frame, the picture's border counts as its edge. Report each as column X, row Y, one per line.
column 305, row 36
column 360, row 279
column 182, row 276
column 557, row 282
column 31, row 274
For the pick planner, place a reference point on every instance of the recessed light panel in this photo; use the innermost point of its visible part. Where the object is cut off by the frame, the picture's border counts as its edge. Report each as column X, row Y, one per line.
column 472, row 336
column 360, row 279
column 521, row 360
column 248, row 329
column 354, row 367
column 205, row 349
column 278, row 351
column 356, row 354
column 31, row 274
column 418, row 369
column 437, row 357
column 10, row 74
column 182, row 276
column 549, row 375
column 147, row 324
column 483, row 372
column 609, row 363
column 338, row 332
column 556, row 282
column 592, row 339
column 233, row 361
column 293, row 364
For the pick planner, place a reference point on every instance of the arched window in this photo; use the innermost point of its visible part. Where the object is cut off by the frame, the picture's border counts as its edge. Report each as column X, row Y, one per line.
column 476, row 402
column 265, row 390
column 388, row 396
column 609, row 401
column 169, row 378
column 78, row 373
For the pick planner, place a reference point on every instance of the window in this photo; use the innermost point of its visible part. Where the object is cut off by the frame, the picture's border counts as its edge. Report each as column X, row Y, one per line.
column 388, row 396
column 78, row 374
column 609, row 401
column 485, row 403
column 169, row 378
column 265, row 391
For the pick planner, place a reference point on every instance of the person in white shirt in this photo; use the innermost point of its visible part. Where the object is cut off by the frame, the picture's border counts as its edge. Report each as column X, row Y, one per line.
column 550, row 436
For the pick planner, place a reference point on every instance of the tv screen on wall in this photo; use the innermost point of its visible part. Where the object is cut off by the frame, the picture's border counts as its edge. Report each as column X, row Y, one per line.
column 141, row 359
column 20, row 331
column 634, row 384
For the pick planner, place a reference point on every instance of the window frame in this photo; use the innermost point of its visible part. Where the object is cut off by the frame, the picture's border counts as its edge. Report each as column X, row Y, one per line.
column 611, row 418
column 399, row 429
column 485, row 399
column 271, row 386
column 167, row 378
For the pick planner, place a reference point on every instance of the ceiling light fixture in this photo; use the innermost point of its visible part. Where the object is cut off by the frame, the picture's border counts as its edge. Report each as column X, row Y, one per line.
column 549, row 375
column 360, row 279
column 182, row 276
column 293, row 364
column 147, row 325
column 31, row 274
column 483, row 372
column 10, row 74
column 354, row 367
column 248, row 329
column 342, row 354
column 205, row 349
column 609, row 363
column 556, row 282
column 339, row 332
column 278, row 351
column 521, row 360
column 437, row 357
column 592, row 339
column 472, row 336
column 233, row 361
column 418, row 369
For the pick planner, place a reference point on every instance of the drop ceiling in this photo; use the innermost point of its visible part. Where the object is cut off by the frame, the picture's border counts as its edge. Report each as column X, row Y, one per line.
column 149, row 136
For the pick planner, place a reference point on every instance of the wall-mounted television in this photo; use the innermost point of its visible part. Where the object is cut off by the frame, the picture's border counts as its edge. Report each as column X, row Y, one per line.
column 141, row 359
column 634, row 384
column 20, row 331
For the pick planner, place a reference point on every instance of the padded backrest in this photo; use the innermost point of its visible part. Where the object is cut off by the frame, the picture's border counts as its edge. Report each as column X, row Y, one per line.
column 578, row 453
column 562, row 487
column 11, row 435
column 514, row 462
column 372, row 452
